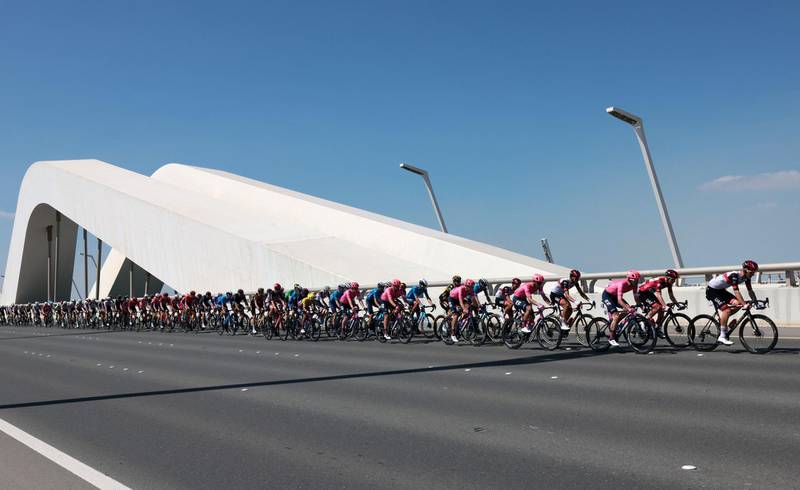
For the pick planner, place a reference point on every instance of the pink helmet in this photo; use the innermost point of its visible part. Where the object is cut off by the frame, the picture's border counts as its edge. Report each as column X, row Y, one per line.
column 633, row 275
column 538, row 278
column 396, row 283
column 470, row 283
column 353, row 285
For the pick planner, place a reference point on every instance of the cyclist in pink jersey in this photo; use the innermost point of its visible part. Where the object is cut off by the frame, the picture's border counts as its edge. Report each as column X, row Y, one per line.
column 460, row 297
column 390, row 298
column 350, row 298
column 613, row 300
column 523, row 298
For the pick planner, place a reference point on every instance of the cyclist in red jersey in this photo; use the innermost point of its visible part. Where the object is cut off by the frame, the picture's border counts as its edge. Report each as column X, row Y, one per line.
column 650, row 293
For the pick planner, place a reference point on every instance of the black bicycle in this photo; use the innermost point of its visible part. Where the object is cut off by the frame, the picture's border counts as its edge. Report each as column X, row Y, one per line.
column 757, row 333
column 634, row 328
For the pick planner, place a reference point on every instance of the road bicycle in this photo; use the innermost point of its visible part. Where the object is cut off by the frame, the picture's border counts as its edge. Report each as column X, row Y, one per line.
column 544, row 329
column 579, row 321
column 757, row 333
column 633, row 328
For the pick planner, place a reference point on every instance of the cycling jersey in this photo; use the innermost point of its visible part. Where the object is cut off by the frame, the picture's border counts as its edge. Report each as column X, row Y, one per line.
column 654, row 285
column 621, row 286
column 461, row 293
column 308, row 302
column 417, row 292
column 562, row 286
column 391, row 293
column 527, row 289
column 730, row 279
column 349, row 296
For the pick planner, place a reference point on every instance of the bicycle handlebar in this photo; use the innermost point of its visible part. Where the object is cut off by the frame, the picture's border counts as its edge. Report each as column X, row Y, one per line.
column 760, row 304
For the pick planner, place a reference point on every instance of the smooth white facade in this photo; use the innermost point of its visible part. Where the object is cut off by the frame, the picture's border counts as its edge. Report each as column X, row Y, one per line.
column 203, row 229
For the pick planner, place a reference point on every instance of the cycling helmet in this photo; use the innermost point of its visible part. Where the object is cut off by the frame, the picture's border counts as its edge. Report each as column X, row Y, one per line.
column 672, row 273
column 341, row 287
column 750, row 265
column 382, row 285
column 276, row 287
column 470, row 283
column 633, row 275
column 353, row 285
column 260, row 290
column 240, row 291
column 304, row 292
column 192, row 293
column 575, row 274
column 165, row 295
column 402, row 285
column 326, row 289
column 457, row 280
column 229, row 293
column 538, row 278
column 515, row 282
column 484, row 283
column 396, row 283
column 296, row 286
column 506, row 290
column 423, row 283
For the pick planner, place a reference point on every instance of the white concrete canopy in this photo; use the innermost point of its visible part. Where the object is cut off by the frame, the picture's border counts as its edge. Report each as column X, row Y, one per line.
column 203, row 229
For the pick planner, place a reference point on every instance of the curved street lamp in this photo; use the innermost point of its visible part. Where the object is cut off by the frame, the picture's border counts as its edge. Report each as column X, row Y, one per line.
column 424, row 175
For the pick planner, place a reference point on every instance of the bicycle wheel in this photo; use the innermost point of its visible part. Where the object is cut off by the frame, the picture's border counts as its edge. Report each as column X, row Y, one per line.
column 580, row 324
column 548, row 333
column 313, row 330
column 437, row 323
column 640, row 333
column 404, row 329
column 758, row 334
column 597, row 334
column 425, row 324
column 478, row 331
column 704, row 332
column 676, row 330
column 493, row 325
column 513, row 336
column 359, row 330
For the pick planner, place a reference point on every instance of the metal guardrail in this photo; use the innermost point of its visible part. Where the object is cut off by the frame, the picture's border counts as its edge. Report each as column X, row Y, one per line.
column 589, row 280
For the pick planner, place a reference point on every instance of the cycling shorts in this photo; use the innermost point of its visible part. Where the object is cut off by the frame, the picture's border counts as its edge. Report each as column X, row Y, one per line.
column 721, row 298
column 520, row 303
column 454, row 304
column 648, row 298
column 611, row 303
column 556, row 297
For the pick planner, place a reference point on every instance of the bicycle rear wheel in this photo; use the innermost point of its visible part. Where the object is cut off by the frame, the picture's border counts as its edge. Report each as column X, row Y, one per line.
column 425, row 324
column 597, row 334
column 676, row 330
column 437, row 323
column 704, row 332
column 580, row 324
column 548, row 333
column 758, row 334
column 493, row 325
column 404, row 329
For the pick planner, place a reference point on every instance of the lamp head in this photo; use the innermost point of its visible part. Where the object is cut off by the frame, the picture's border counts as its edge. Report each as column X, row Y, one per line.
column 413, row 169
column 627, row 117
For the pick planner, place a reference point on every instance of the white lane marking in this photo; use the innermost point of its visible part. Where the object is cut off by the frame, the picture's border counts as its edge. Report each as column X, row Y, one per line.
column 508, row 373
column 66, row 461
column 553, row 377
column 688, row 467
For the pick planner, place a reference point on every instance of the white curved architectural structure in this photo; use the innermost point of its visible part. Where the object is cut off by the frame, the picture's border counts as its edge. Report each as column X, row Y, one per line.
column 203, row 229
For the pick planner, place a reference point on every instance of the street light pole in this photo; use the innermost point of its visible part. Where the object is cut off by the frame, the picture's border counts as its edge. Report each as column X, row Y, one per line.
column 638, row 127
column 424, row 174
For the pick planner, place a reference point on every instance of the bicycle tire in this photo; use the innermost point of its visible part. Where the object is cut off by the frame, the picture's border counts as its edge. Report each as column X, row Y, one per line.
column 676, row 330
column 580, row 324
column 640, row 334
column 597, row 334
column 704, row 332
column 478, row 331
column 405, row 330
column 513, row 337
column 425, row 324
column 437, row 321
column 548, row 333
column 313, row 330
column 763, row 334
column 494, row 327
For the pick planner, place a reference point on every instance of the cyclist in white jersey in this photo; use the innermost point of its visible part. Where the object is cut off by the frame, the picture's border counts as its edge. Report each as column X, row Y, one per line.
column 727, row 303
column 560, row 294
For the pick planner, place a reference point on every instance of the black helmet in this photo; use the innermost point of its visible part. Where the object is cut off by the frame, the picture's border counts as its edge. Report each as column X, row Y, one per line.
column 457, row 280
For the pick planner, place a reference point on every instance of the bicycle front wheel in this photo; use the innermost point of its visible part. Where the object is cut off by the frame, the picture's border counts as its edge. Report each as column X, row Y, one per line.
column 641, row 335
column 676, row 330
column 425, row 324
column 597, row 334
column 704, row 332
column 548, row 333
column 758, row 334
column 405, row 330
column 513, row 337
column 494, row 328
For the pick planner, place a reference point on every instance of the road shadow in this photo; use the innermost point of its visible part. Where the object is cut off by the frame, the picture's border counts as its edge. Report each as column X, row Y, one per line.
column 69, row 334
column 520, row 361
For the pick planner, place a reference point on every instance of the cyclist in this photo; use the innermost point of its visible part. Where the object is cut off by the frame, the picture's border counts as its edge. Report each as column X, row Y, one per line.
column 482, row 286
column 560, row 294
column 650, row 294
column 460, row 297
column 373, row 300
column 613, row 300
column 276, row 298
column 444, row 298
column 350, row 299
column 333, row 298
column 523, row 299
column 727, row 303
column 416, row 294
column 391, row 301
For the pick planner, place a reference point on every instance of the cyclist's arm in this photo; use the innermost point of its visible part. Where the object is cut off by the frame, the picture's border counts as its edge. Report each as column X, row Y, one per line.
column 544, row 297
column 660, row 298
column 533, row 302
column 580, row 290
column 672, row 295
column 621, row 299
column 750, row 291
column 568, row 297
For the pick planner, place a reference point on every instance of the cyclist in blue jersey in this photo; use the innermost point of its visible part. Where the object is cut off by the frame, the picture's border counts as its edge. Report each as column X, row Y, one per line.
column 416, row 293
column 333, row 299
column 481, row 286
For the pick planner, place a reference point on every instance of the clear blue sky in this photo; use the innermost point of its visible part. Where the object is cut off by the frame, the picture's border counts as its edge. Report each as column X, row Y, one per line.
column 502, row 101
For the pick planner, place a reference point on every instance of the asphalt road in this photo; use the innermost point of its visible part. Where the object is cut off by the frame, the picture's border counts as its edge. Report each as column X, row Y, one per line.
column 201, row 411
